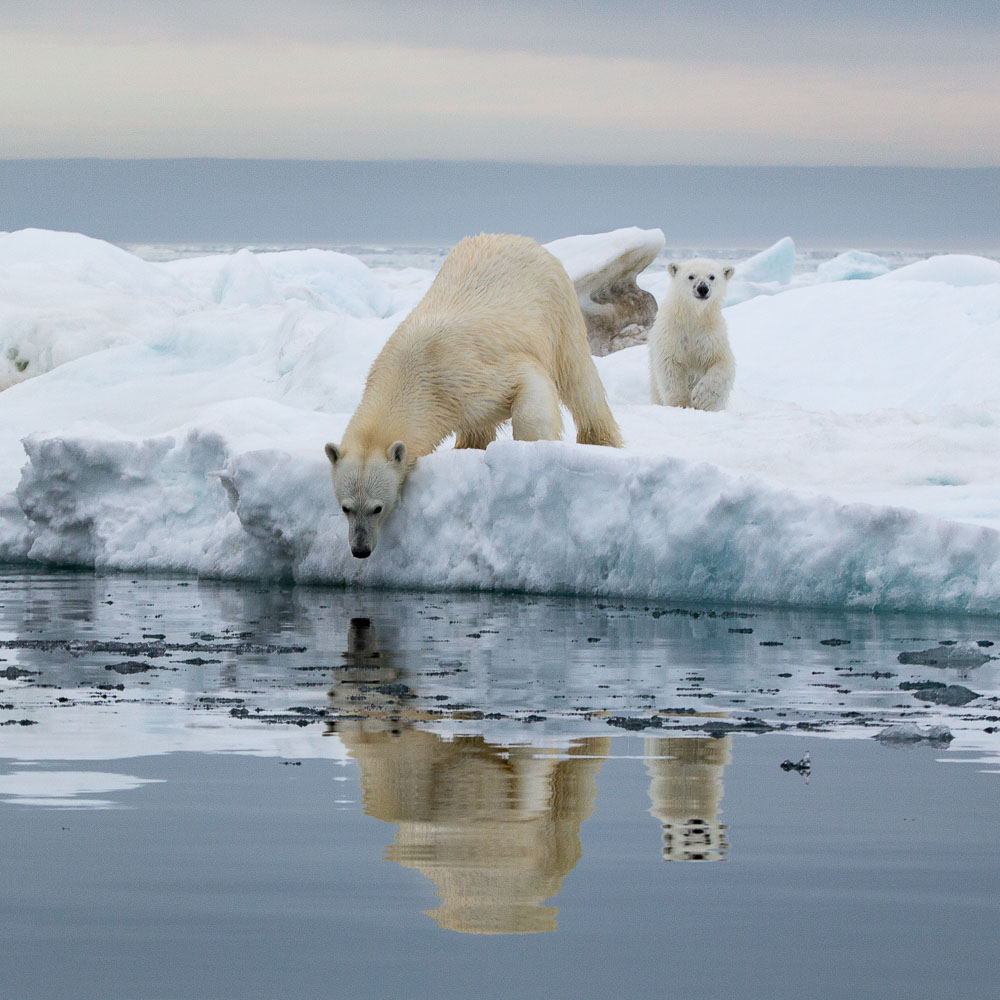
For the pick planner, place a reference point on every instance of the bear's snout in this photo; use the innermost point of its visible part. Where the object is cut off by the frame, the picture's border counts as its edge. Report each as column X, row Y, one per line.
column 702, row 290
column 360, row 551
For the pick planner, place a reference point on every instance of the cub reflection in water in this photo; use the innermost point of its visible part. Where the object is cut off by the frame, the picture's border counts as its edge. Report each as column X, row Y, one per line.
column 495, row 828
column 685, row 787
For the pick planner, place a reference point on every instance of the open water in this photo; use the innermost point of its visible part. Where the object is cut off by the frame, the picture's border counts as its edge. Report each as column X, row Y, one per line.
column 240, row 790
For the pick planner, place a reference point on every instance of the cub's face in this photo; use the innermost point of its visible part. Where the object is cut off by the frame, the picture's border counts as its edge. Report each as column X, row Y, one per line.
column 367, row 488
column 700, row 279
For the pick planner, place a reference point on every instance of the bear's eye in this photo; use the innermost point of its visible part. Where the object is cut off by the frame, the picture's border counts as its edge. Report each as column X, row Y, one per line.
column 346, row 509
column 690, row 277
column 377, row 509
column 711, row 277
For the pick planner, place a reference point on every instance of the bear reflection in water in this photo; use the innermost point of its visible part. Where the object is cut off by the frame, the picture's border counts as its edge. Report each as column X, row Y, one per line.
column 497, row 828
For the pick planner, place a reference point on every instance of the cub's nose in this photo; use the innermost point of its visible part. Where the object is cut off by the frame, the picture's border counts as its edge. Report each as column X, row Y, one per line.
column 702, row 290
column 360, row 551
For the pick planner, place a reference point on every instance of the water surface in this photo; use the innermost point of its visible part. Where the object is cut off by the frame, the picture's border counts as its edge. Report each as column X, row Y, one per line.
column 243, row 790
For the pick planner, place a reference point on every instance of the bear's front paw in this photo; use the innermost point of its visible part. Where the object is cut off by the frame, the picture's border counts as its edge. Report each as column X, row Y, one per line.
column 706, row 397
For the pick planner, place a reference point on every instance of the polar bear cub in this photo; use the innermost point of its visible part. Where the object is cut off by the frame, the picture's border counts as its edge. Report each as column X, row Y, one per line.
column 690, row 362
column 498, row 336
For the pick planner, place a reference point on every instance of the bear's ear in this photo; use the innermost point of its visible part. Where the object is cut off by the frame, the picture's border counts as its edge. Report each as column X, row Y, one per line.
column 673, row 269
column 332, row 453
column 397, row 452
column 728, row 272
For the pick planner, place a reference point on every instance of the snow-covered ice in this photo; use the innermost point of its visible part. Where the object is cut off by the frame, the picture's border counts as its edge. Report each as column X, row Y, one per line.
column 171, row 416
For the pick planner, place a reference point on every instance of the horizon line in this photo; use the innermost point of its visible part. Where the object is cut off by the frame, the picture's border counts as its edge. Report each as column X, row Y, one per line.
column 493, row 162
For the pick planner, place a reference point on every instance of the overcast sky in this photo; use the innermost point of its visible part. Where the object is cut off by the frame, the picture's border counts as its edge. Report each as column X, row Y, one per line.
column 566, row 81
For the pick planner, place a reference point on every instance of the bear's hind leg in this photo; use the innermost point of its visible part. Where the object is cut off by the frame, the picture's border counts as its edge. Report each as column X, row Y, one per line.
column 478, row 438
column 534, row 411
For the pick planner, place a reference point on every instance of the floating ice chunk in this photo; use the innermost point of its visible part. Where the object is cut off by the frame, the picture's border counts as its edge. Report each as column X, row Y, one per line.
column 852, row 265
column 960, row 270
column 954, row 695
column 776, row 263
column 766, row 273
column 962, row 656
column 908, row 732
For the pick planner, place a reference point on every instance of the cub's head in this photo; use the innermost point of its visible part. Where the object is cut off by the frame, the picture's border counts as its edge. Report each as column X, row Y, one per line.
column 367, row 488
column 700, row 280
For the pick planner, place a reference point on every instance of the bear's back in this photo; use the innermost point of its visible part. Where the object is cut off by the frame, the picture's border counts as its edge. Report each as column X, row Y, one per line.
column 490, row 272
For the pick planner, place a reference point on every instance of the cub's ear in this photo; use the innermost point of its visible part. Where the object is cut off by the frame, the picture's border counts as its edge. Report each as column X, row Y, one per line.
column 728, row 272
column 332, row 453
column 397, row 452
column 673, row 269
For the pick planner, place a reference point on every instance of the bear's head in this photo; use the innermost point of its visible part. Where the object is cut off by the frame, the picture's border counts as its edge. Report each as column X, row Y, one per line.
column 367, row 487
column 700, row 280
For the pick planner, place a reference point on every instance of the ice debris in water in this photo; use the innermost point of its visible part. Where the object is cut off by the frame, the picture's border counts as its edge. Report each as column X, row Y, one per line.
column 960, row 656
column 908, row 732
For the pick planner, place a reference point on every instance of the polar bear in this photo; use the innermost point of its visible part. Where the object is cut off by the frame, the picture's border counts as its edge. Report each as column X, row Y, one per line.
column 498, row 336
column 690, row 363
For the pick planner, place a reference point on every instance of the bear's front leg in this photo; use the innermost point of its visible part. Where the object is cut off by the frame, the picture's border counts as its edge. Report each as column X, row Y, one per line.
column 673, row 384
column 711, row 391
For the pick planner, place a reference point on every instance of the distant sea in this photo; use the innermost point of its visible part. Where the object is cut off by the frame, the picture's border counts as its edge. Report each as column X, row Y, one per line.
column 429, row 205
column 430, row 257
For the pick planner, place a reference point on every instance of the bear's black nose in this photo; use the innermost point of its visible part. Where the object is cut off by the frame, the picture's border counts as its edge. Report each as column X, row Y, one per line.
column 702, row 290
column 361, row 553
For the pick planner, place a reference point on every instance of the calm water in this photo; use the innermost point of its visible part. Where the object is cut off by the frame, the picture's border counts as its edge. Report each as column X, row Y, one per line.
column 228, row 790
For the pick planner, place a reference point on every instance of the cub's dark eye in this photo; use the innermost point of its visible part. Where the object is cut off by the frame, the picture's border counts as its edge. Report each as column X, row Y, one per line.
column 711, row 277
column 690, row 277
column 377, row 509
column 346, row 510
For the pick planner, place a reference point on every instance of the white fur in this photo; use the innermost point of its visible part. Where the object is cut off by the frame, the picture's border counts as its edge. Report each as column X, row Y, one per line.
column 690, row 362
column 498, row 336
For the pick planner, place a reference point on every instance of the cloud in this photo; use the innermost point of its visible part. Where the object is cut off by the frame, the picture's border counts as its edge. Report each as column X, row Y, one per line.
column 851, row 32
column 356, row 100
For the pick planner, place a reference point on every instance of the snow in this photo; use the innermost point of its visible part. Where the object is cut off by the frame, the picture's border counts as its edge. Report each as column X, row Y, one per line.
column 586, row 255
column 957, row 270
column 171, row 417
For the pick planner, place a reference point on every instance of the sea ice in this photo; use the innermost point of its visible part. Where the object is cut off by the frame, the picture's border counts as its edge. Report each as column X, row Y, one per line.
column 908, row 732
column 852, row 265
column 776, row 263
column 172, row 417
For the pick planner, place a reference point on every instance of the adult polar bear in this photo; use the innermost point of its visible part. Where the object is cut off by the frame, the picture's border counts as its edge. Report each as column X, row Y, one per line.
column 498, row 336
